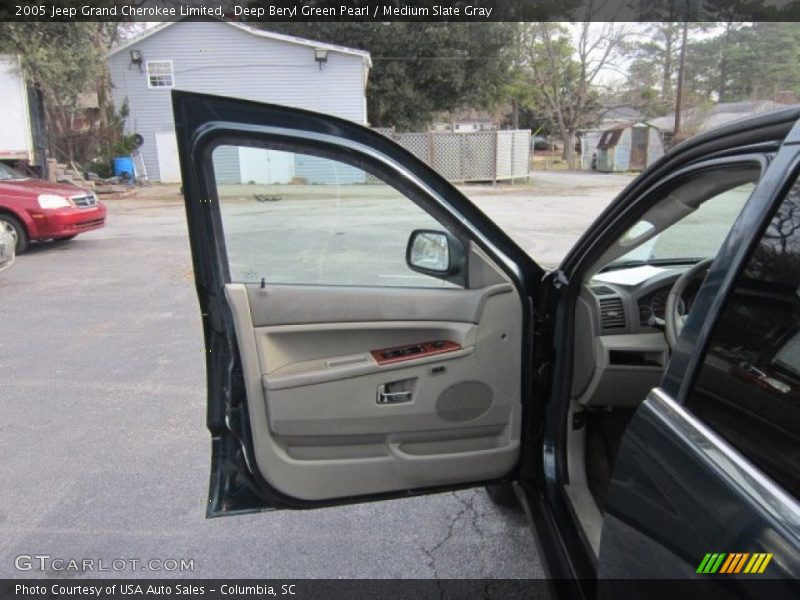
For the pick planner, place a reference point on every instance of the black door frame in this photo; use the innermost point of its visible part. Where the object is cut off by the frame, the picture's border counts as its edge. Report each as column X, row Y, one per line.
column 202, row 122
column 562, row 542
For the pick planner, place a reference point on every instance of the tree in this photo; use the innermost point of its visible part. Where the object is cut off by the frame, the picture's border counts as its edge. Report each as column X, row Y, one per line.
column 705, row 67
column 422, row 68
column 744, row 62
column 66, row 61
column 681, row 77
column 657, row 64
column 761, row 60
column 563, row 76
column 639, row 89
column 661, row 52
column 518, row 90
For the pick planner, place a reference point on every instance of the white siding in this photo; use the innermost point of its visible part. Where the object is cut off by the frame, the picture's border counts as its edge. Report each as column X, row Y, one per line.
column 226, row 164
column 258, row 165
column 214, row 57
column 315, row 169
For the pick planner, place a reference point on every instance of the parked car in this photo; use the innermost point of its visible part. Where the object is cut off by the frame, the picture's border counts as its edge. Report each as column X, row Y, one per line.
column 7, row 249
column 539, row 142
column 642, row 400
column 35, row 209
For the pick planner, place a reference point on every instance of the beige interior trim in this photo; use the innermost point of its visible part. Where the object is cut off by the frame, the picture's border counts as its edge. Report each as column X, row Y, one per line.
column 626, row 368
column 286, row 349
column 583, row 504
column 318, row 432
column 277, row 304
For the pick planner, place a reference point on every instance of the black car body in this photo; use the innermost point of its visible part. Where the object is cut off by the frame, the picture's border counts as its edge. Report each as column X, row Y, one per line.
column 627, row 451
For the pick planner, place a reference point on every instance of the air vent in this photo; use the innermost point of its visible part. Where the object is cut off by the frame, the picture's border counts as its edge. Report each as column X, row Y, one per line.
column 612, row 313
column 602, row 290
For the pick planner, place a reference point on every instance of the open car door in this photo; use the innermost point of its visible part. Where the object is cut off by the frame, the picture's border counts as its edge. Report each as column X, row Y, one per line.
column 368, row 331
column 706, row 480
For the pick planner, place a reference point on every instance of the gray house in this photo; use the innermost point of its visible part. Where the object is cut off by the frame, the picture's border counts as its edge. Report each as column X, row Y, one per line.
column 231, row 59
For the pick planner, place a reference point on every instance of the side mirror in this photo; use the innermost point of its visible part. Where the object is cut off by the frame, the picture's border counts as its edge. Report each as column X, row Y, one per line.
column 437, row 254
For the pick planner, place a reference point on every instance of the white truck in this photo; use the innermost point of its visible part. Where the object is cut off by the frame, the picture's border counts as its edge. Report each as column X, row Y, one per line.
column 21, row 122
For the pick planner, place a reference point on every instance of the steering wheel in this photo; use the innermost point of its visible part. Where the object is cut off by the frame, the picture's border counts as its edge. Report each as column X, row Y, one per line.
column 673, row 322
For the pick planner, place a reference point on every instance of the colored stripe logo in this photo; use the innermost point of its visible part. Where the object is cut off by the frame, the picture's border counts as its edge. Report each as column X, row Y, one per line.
column 734, row 562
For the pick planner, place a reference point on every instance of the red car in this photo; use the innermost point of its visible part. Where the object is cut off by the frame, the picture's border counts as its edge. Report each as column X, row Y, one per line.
column 34, row 209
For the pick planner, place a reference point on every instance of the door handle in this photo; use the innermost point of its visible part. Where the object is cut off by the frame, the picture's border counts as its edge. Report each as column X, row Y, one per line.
column 385, row 397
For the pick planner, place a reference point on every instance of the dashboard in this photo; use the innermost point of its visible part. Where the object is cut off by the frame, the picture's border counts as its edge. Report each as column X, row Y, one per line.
column 620, row 349
column 652, row 308
column 636, row 300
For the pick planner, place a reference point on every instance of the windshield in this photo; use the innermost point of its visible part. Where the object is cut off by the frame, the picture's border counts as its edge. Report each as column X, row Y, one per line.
column 697, row 236
column 7, row 172
column 690, row 220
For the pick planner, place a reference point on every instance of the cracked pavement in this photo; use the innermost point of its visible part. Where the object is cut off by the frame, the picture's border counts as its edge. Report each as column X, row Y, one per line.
column 466, row 510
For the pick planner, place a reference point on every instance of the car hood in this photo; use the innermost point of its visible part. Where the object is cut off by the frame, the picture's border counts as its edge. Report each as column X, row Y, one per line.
column 39, row 186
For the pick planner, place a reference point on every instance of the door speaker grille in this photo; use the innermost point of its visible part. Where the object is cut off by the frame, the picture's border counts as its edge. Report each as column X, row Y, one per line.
column 464, row 401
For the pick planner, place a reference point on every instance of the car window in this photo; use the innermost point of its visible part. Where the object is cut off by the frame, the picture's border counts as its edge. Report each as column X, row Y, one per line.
column 748, row 388
column 7, row 172
column 296, row 218
column 701, row 233
column 690, row 219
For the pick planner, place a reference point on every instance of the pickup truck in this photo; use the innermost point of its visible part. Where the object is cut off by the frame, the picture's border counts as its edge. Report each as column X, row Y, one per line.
column 21, row 120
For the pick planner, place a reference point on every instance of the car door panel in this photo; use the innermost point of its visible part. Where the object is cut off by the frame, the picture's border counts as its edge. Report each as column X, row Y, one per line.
column 309, row 402
column 321, row 432
column 293, row 356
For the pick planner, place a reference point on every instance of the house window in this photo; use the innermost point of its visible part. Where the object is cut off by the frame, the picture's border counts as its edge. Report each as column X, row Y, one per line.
column 159, row 74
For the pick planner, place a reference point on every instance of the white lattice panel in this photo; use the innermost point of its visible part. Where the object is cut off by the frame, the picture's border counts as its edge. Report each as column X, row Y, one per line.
column 478, row 156
column 522, row 154
column 416, row 143
column 473, row 156
column 505, row 148
column 448, row 155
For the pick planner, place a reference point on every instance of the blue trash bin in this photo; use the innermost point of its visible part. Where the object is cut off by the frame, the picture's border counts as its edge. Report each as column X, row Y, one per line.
column 123, row 167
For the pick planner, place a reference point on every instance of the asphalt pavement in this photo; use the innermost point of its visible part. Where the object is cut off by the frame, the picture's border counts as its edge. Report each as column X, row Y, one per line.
column 105, row 451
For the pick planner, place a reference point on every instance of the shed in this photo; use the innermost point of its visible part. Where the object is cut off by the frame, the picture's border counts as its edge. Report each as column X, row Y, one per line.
column 589, row 140
column 231, row 59
column 631, row 147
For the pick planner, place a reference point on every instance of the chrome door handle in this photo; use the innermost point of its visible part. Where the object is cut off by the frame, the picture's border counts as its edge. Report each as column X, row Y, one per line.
column 385, row 397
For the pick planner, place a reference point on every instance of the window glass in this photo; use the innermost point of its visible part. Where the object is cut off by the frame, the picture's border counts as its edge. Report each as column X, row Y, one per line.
column 748, row 388
column 701, row 233
column 296, row 218
column 7, row 173
column 159, row 74
column 690, row 220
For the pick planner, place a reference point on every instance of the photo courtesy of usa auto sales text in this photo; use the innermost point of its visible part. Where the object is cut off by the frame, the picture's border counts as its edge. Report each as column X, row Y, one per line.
column 136, row 590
